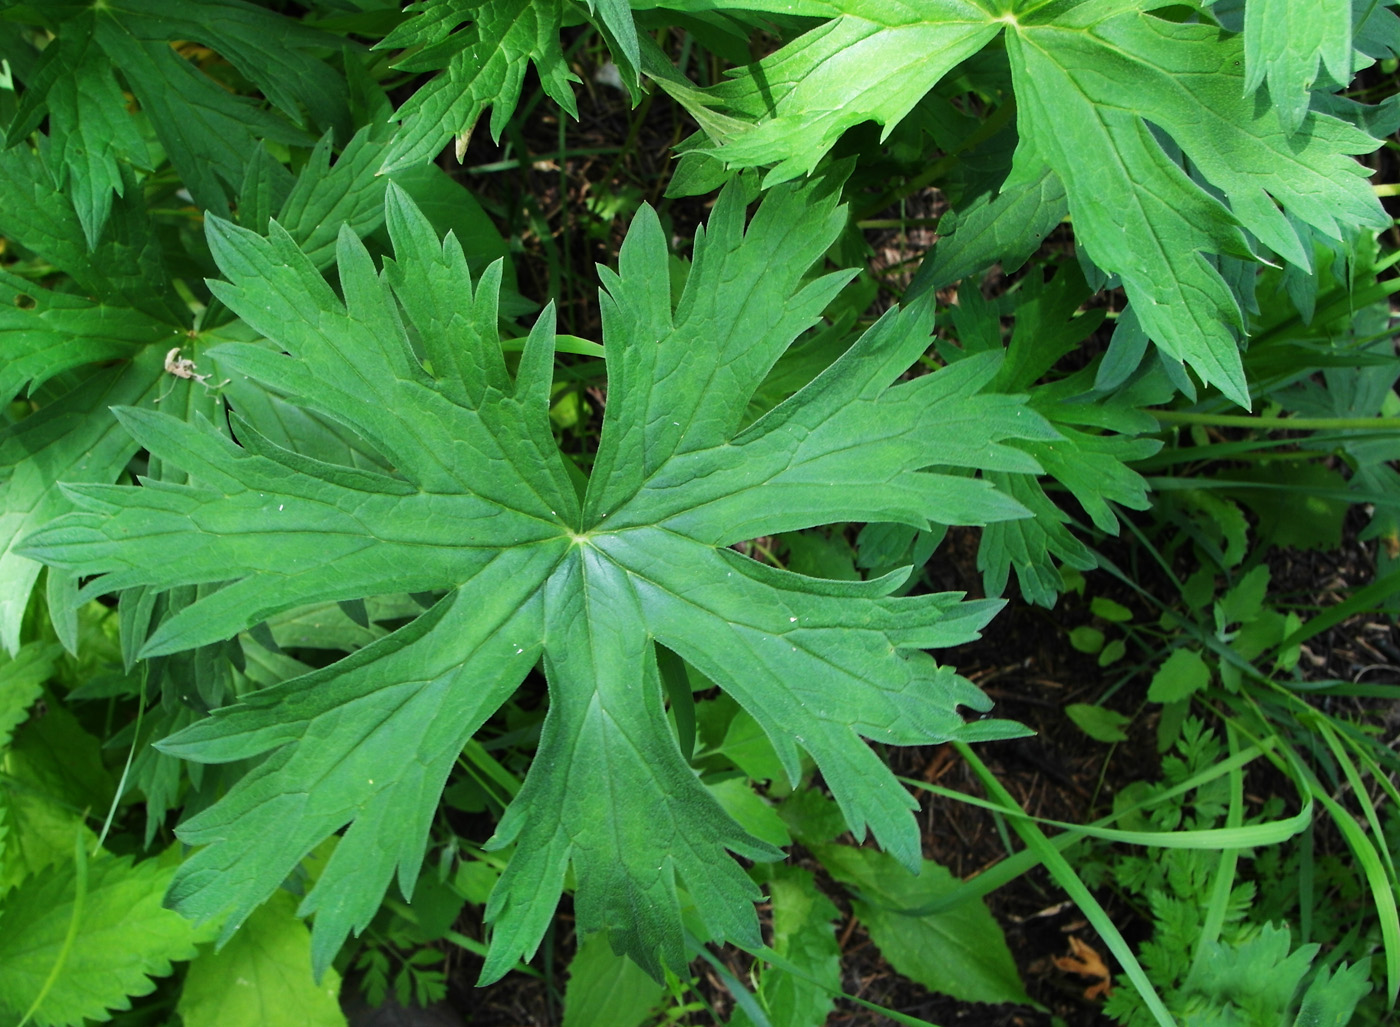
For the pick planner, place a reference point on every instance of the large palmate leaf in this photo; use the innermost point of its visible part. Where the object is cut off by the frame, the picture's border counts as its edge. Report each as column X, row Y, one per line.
column 1167, row 160
column 481, row 509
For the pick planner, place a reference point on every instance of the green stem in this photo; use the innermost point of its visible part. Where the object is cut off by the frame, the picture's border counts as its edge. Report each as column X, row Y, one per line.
column 1284, row 423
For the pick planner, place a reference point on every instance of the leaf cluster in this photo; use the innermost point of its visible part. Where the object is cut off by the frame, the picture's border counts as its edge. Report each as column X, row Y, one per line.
column 323, row 523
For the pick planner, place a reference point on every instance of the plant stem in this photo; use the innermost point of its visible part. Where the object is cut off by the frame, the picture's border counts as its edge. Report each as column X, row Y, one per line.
column 1287, row 423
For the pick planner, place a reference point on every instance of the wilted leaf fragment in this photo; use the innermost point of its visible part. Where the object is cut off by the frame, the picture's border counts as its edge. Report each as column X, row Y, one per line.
column 481, row 508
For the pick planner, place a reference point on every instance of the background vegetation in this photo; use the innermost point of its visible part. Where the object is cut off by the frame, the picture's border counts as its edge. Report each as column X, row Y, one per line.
column 1084, row 306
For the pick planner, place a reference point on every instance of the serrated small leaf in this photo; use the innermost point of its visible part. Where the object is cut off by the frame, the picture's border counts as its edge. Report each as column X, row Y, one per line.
column 1331, row 998
column 1245, row 599
column 1180, row 676
column 126, row 938
column 22, row 678
column 803, row 935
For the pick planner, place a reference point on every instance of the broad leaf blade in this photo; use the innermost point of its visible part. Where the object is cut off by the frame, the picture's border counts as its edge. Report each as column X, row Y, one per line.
column 479, row 506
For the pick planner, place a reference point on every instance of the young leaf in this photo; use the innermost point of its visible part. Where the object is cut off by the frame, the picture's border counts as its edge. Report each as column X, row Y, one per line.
column 802, row 934
column 1099, row 723
column 266, row 962
column 606, row 989
column 480, row 508
column 1181, row 676
column 960, row 951
column 21, row 681
column 872, row 61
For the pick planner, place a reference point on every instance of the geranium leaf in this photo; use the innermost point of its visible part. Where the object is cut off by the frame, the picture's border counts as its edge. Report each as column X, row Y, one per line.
column 482, row 65
column 479, row 508
column 1164, row 231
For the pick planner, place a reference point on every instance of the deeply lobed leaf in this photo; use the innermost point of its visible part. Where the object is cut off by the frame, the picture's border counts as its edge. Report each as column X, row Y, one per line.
column 480, row 508
column 1117, row 105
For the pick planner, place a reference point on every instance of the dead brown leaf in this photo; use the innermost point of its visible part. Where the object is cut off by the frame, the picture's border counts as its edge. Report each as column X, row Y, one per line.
column 1086, row 962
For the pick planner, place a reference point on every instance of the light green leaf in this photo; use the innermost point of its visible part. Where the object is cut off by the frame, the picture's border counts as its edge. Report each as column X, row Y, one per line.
column 803, row 935
column 960, row 951
column 1180, row 676
column 1107, row 609
column 872, row 61
column 480, row 508
column 1254, row 979
column 1245, row 600
column 1331, row 999
column 51, row 777
column 126, row 938
column 1086, row 639
column 746, row 745
column 606, row 989
column 750, row 811
column 262, row 976
column 22, row 679
column 1099, row 723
